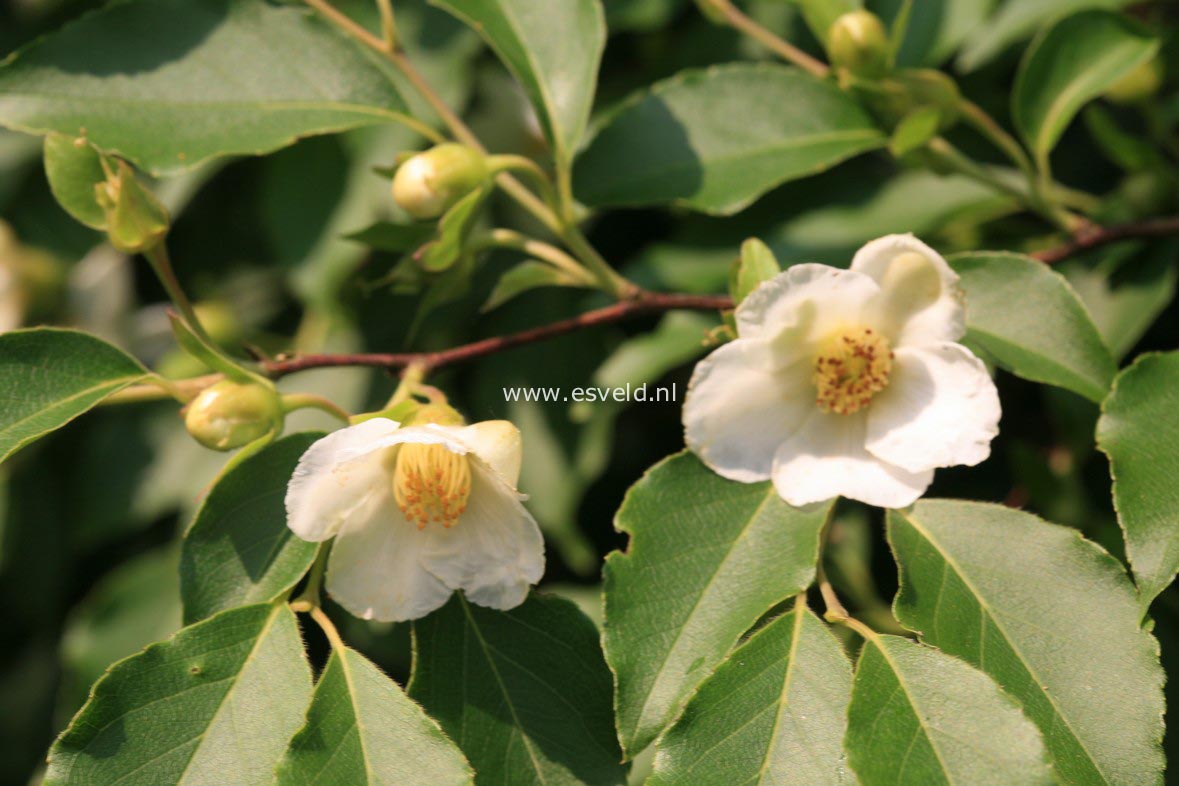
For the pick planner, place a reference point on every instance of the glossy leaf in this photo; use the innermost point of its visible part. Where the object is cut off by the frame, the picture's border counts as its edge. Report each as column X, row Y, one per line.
column 524, row 693
column 148, row 80
column 715, row 140
column 239, row 549
column 362, row 730
column 707, row 558
column 1138, row 430
column 449, row 245
column 553, row 49
column 935, row 29
column 1051, row 618
column 529, row 275
column 919, row 716
column 218, row 700
column 50, row 376
column 773, row 713
column 1032, row 322
column 74, row 168
column 1073, row 62
column 1017, row 20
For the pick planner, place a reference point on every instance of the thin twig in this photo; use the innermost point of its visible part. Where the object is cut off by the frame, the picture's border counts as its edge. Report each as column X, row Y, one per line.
column 1098, row 236
column 776, row 44
column 649, row 303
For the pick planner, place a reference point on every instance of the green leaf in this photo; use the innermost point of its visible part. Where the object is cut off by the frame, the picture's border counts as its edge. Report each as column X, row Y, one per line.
column 398, row 238
column 218, row 700
column 821, row 14
column 1032, row 322
column 920, row 716
column 553, row 49
column 524, row 693
column 528, row 275
column 716, row 139
column 148, row 80
column 1138, row 430
column 1129, row 151
column 239, row 549
column 454, row 228
column 935, row 29
column 1051, row 617
column 1016, row 21
column 50, row 376
column 362, row 730
column 756, row 264
column 914, row 130
column 774, row 712
column 74, row 169
column 707, row 558
column 1070, row 64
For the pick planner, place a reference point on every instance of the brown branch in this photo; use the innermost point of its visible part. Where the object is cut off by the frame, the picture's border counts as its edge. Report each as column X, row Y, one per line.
column 1098, row 236
column 648, row 303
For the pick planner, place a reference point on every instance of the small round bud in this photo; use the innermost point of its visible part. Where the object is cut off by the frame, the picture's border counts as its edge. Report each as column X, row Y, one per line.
column 430, row 183
column 435, row 412
column 230, row 414
column 858, row 42
column 1141, row 83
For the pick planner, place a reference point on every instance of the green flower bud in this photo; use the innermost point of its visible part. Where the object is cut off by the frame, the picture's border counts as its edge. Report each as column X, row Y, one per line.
column 858, row 42
column 229, row 415
column 430, row 183
column 895, row 98
column 1140, row 84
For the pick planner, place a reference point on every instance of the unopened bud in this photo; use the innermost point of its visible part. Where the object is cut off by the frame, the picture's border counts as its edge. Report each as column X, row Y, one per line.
column 435, row 412
column 229, row 415
column 430, row 183
column 858, row 42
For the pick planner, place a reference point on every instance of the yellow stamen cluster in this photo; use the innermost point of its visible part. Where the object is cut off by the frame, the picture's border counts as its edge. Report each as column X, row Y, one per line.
column 431, row 483
column 852, row 368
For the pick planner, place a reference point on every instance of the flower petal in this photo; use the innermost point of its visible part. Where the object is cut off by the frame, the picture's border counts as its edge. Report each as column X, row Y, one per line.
column 738, row 409
column 330, row 482
column 921, row 302
column 826, row 459
column 375, row 569
column 940, row 409
column 495, row 552
column 804, row 302
column 498, row 443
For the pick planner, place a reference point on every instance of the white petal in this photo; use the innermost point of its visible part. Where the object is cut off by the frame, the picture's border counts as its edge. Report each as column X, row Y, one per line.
column 498, row 443
column 921, row 302
column 826, row 459
column 335, row 477
column 738, row 409
column 375, row 569
column 495, row 551
column 805, row 302
column 940, row 409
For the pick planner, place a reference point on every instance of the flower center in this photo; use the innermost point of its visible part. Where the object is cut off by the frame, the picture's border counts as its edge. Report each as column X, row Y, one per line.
column 431, row 483
column 853, row 366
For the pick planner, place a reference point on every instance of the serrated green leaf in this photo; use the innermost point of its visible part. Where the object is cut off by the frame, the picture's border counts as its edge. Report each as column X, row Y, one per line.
column 529, row 275
column 715, row 140
column 362, row 730
column 50, row 376
column 1051, row 618
column 148, row 80
column 524, row 693
column 553, row 49
column 217, row 701
column 74, row 168
column 773, row 713
column 239, row 549
column 1032, row 322
column 919, row 716
column 1016, row 20
column 1071, row 63
column 1138, row 430
column 707, row 558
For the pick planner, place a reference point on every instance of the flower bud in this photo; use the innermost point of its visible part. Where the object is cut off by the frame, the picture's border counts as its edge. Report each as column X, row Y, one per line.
column 230, row 414
column 430, row 183
column 858, row 42
column 898, row 96
column 435, row 412
column 1138, row 85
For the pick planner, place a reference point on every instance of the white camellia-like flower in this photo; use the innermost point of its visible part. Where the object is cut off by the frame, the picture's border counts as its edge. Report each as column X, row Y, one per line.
column 418, row 512
column 846, row 382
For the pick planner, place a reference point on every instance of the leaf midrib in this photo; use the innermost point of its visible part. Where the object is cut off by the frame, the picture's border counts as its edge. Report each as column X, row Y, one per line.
column 114, row 384
column 984, row 607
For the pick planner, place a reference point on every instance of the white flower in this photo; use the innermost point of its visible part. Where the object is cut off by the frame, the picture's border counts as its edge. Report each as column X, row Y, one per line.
column 418, row 512
column 846, row 382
